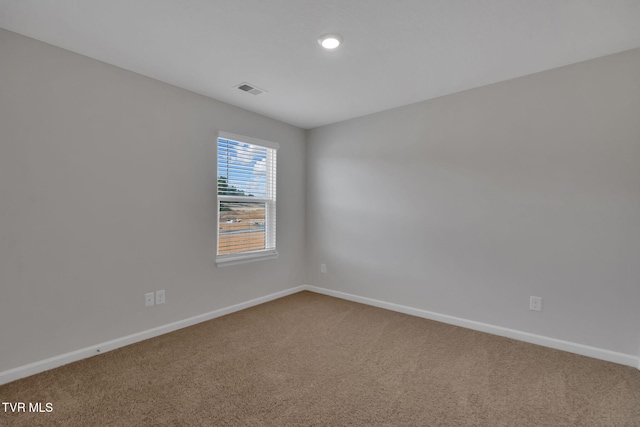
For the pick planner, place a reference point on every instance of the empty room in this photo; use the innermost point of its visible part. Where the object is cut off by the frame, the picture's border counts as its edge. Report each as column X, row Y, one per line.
column 327, row 213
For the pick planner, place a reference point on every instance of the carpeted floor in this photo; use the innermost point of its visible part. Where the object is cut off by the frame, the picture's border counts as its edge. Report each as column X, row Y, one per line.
column 313, row 360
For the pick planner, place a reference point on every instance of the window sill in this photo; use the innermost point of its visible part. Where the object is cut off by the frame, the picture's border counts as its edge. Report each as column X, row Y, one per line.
column 226, row 260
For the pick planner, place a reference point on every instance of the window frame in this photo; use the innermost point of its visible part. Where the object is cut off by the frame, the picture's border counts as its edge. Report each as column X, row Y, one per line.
column 269, row 200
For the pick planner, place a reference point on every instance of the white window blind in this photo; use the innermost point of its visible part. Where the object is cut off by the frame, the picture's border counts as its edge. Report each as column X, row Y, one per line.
column 246, row 197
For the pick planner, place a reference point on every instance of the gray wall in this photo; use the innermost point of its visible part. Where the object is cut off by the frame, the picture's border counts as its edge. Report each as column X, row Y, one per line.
column 468, row 204
column 107, row 191
column 463, row 205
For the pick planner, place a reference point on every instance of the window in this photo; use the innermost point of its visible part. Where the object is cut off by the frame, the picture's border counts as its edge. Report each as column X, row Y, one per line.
column 246, row 199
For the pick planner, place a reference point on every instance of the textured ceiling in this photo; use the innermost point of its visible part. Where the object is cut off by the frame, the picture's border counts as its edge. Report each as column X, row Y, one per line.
column 394, row 53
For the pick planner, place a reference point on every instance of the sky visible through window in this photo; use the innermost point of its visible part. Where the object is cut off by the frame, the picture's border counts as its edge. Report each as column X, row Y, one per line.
column 241, row 168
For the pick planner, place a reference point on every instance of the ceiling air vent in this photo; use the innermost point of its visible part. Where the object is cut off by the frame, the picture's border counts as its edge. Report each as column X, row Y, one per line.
column 249, row 88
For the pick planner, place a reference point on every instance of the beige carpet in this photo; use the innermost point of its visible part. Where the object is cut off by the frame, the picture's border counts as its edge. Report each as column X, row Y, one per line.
column 313, row 360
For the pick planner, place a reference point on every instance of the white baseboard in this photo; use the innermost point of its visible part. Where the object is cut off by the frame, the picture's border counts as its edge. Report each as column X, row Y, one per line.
column 63, row 359
column 571, row 347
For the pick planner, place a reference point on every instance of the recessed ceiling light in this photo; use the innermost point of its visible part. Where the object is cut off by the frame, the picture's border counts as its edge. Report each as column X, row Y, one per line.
column 330, row 41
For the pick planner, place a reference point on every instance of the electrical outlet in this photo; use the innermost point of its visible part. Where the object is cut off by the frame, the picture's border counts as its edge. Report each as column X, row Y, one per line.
column 148, row 299
column 160, row 297
column 535, row 303
column 323, row 268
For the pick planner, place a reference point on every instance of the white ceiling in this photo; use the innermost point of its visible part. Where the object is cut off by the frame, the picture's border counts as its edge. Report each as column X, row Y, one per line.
column 395, row 52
